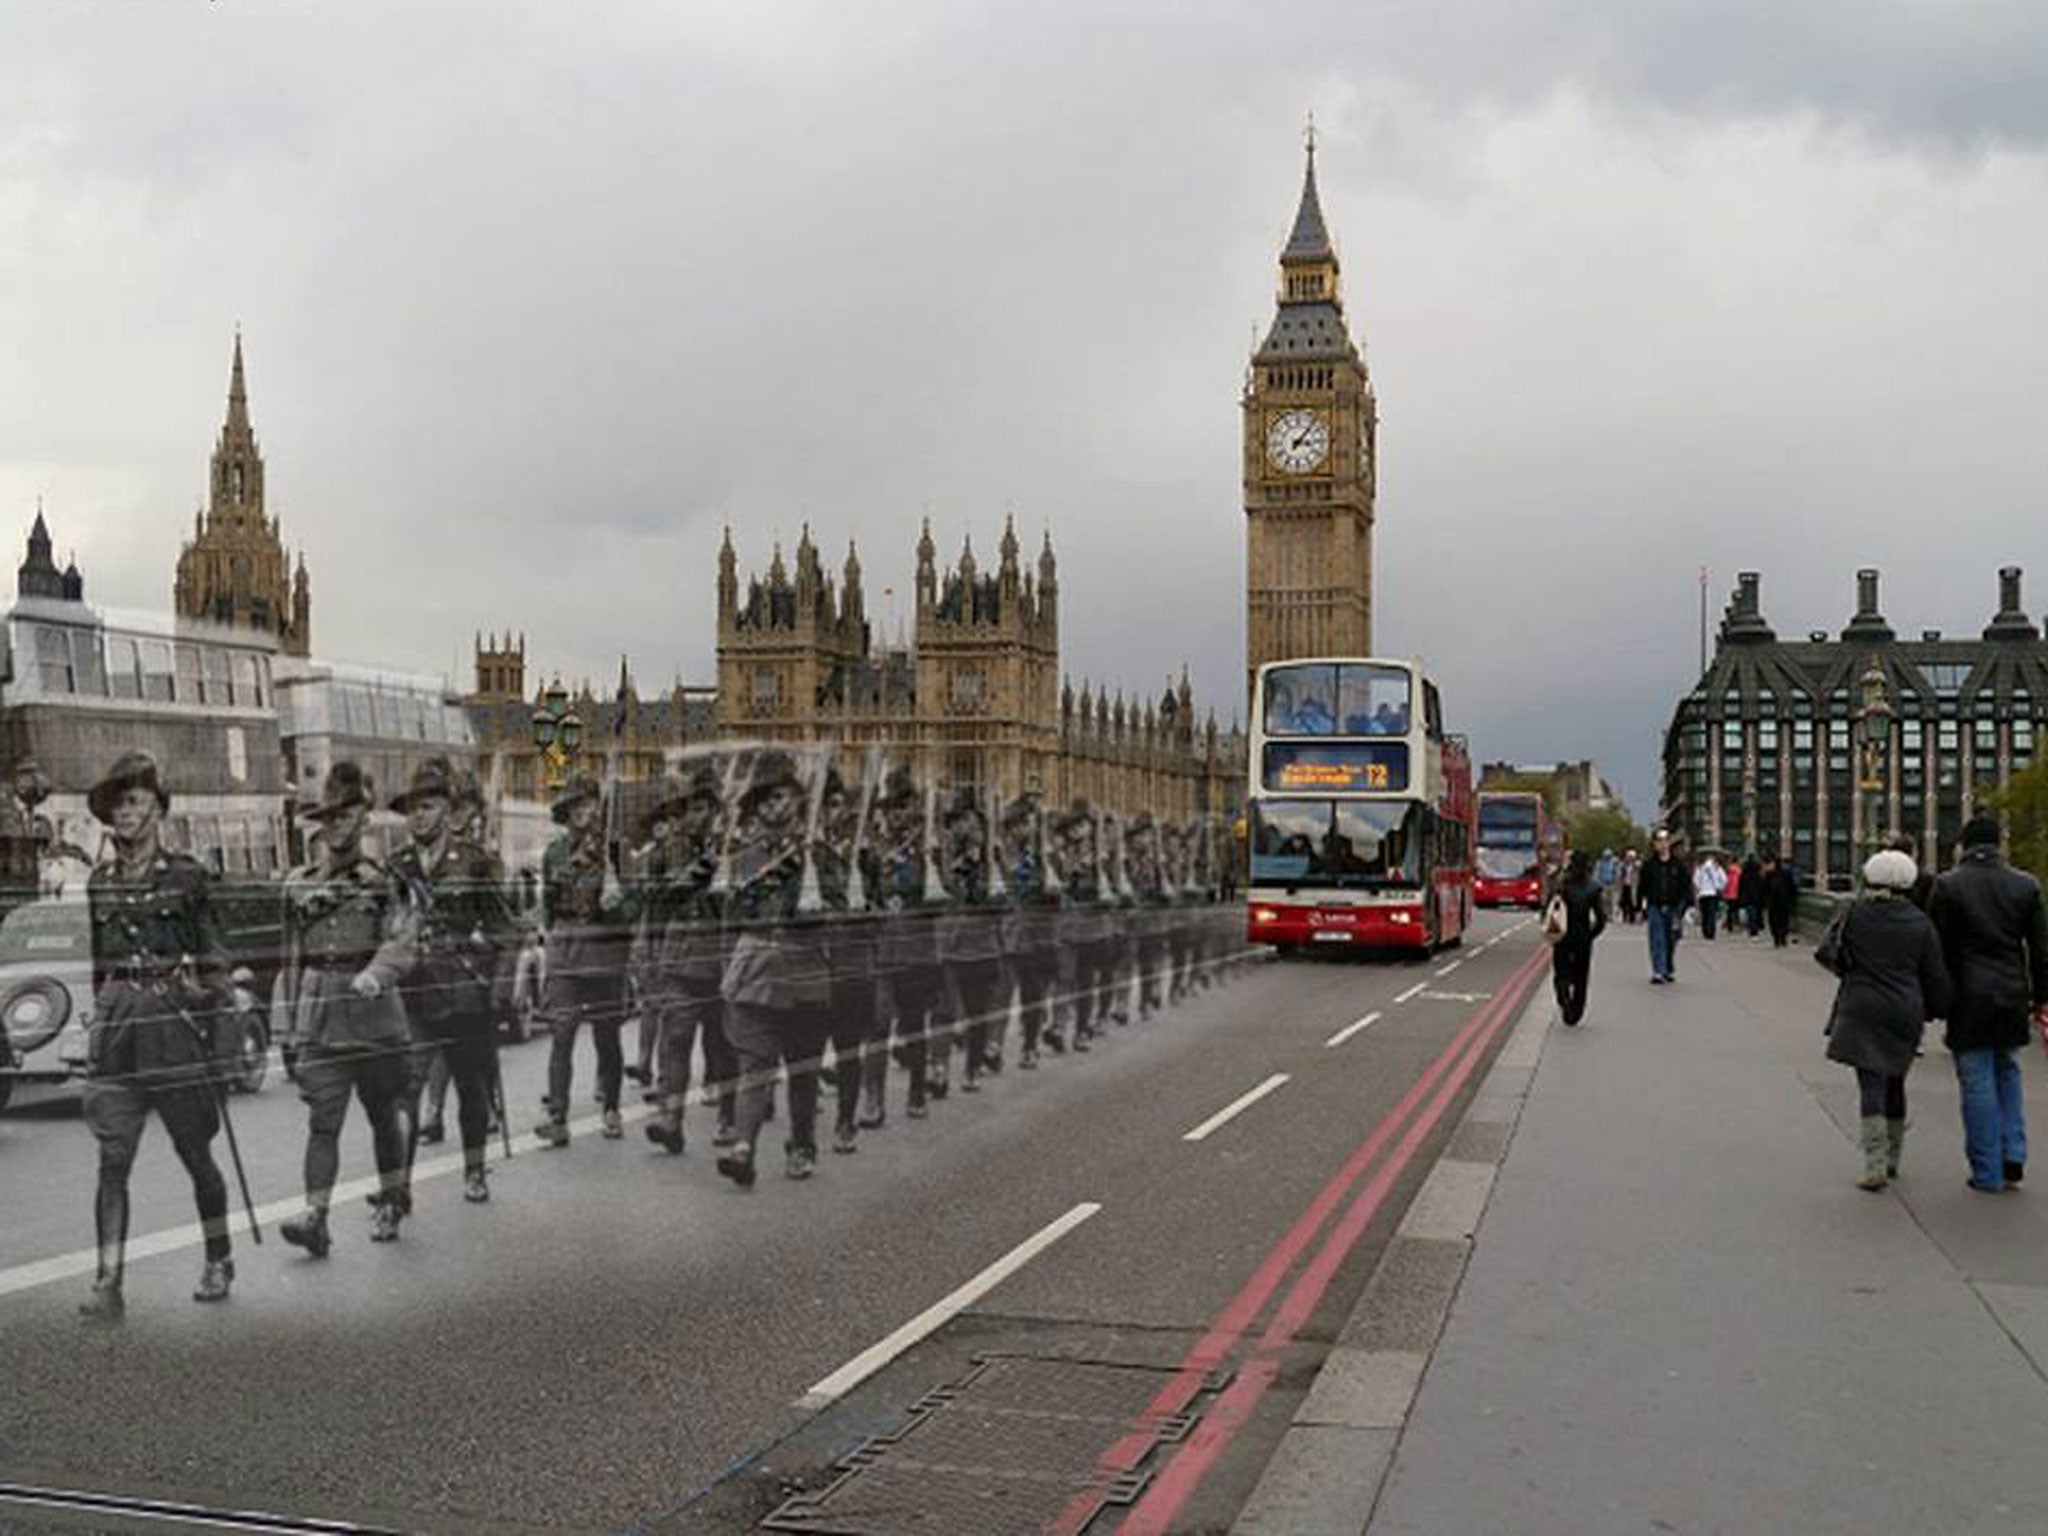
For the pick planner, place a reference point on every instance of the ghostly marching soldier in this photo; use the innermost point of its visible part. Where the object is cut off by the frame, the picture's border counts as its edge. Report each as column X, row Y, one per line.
column 1030, row 937
column 851, row 1012
column 908, row 979
column 589, row 925
column 349, row 935
column 687, row 960
column 160, row 978
column 775, row 985
column 1148, row 920
column 971, row 938
column 457, row 891
column 1085, row 923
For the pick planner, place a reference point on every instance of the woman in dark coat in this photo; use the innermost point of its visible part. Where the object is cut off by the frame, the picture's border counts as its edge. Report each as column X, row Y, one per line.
column 1893, row 981
column 1585, row 919
column 1779, row 893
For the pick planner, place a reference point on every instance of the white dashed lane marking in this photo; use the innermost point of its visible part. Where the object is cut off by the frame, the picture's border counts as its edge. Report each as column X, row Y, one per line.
column 1235, row 1107
column 1352, row 1028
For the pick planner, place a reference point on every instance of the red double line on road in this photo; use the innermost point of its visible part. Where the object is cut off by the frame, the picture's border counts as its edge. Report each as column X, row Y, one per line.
column 1178, row 1479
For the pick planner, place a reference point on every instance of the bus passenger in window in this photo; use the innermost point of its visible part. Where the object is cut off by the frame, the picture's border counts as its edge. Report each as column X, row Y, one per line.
column 1312, row 717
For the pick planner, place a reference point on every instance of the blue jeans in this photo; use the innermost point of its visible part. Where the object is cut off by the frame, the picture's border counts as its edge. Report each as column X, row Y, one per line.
column 1994, row 1116
column 1664, row 930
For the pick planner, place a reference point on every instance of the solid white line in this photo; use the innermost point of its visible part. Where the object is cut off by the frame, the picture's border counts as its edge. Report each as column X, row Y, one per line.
column 1352, row 1028
column 1411, row 992
column 1450, row 968
column 68, row 1266
column 872, row 1359
column 1242, row 1102
column 189, row 1516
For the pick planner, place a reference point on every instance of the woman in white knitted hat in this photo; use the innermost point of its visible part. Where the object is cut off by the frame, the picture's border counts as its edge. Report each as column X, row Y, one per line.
column 1893, row 980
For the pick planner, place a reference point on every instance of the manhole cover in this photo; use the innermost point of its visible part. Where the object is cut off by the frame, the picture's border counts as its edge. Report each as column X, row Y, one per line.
column 1005, row 1449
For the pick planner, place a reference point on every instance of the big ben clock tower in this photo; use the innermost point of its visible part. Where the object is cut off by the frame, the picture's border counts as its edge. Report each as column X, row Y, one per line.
column 1310, row 427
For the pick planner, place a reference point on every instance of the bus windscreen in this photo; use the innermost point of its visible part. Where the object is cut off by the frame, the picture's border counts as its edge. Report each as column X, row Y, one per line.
column 1507, row 823
column 1363, row 843
column 1292, row 767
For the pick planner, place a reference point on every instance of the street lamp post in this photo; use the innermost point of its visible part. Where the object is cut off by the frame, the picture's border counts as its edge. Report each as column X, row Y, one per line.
column 557, row 731
column 1875, row 723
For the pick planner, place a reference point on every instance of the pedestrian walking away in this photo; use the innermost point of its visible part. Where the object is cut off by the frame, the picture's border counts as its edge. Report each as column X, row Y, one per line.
column 1666, row 887
column 1779, row 894
column 1893, row 980
column 350, row 933
column 1709, row 884
column 1584, row 902
column 1994, row 935
column 1631, row 887
column 161, row 985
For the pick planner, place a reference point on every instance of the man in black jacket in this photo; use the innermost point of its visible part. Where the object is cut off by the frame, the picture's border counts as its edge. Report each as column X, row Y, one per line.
column 1994, row 935
column 1666, row 887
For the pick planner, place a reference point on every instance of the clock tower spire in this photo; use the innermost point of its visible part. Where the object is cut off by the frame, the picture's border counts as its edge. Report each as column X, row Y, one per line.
column 1310, row 440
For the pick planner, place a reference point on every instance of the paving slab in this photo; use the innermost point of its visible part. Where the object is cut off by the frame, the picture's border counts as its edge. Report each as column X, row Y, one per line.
column 1680, row 1315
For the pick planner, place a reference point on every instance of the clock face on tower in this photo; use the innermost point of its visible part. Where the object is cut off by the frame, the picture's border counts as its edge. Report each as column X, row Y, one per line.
column 1298, row 441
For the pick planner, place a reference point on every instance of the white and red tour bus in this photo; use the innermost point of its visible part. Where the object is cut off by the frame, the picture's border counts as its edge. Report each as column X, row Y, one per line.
column 1359, row 812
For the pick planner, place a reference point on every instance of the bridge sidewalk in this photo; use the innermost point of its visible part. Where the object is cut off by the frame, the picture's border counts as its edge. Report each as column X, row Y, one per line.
column 1679, row 1314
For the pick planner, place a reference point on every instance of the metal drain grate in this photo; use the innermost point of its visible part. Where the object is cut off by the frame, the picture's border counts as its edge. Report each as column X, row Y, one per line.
column 1003, row 1450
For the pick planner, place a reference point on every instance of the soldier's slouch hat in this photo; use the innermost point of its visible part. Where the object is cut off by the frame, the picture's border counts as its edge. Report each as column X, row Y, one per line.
column 578, row 790
column 432, row 779
column 131, row 770
column 773, row 770
column 346, row 788
column 898, row 785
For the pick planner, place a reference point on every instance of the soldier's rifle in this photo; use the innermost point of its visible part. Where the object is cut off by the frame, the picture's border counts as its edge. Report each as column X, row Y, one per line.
column 870, row 783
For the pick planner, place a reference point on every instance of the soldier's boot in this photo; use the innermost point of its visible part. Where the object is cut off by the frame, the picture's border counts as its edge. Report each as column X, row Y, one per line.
column 665, row 1130
column 874, row 1092
column 433, row 1131
column 476, row 1189
column 738, row 1164
column 214, row 1280
column 1876, row 1146
column 553, row 1132
column 614, row 1127
column 384, row 1222
column 105, row 1304
column 308, row 1230
column 799, row 1162
column 1895, row 1142
column 845, row 1139
column 1027, row 1059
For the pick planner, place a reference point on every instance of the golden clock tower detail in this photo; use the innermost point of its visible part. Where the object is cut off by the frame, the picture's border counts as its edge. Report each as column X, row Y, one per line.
column 1310, row 425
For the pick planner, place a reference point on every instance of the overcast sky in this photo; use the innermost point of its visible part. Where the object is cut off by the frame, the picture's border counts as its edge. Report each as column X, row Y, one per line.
column 537, row 296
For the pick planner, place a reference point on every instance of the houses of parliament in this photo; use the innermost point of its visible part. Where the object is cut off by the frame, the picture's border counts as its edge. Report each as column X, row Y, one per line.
column 976, row 693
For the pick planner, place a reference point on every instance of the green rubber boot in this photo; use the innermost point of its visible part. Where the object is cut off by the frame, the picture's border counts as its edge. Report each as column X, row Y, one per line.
column 1876, row 1147
column 1895, row 1140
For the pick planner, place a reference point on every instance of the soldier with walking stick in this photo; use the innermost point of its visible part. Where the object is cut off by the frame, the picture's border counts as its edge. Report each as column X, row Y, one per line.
column 160, row 980
column 349, row 935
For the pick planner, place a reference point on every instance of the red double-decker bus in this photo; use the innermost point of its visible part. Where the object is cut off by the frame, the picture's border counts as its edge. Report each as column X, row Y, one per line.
column 1516, row 841
column 1360, row 811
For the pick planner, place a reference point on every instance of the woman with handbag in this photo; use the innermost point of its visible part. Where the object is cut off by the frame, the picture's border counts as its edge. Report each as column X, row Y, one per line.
column 1893, row 980
column 1572, row 920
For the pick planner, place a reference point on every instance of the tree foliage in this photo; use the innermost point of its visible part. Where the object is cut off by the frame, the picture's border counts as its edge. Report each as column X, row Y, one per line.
column 2023, row 807
column 1591, row 831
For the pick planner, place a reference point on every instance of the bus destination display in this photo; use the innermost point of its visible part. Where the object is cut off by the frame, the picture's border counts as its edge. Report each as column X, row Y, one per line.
column 1336, row 767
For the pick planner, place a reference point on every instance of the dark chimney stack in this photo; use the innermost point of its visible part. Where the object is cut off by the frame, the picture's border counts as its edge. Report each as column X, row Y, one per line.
column 1866, row 593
